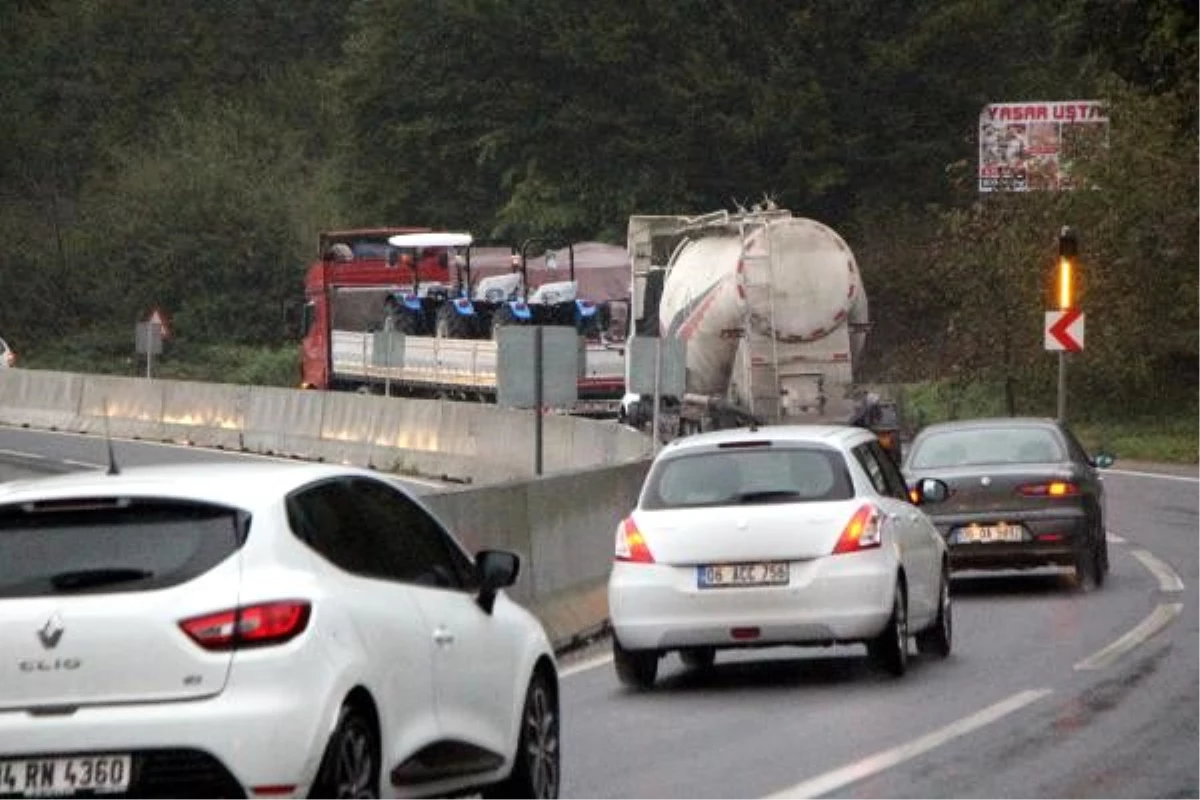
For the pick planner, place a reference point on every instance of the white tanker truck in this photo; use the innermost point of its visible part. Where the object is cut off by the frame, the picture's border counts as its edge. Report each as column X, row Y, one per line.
column 773, row 313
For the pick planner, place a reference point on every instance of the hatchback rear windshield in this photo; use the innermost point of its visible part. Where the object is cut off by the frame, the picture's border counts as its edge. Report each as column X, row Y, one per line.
column 968, row 447
column 750, row 475
column 111, row 545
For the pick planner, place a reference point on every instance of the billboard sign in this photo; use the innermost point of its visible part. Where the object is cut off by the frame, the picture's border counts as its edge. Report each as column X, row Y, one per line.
column 1033, row 146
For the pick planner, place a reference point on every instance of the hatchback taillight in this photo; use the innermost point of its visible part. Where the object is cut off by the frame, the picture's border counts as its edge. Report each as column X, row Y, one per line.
column 249, row 626
column 1050, row 489
column 862, row 532
column 631, row 545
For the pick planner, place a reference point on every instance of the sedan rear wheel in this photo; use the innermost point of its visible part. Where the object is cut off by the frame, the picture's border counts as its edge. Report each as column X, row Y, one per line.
column 1089, row 573
column 937, row 638
column 635, row 668
column 889, row 650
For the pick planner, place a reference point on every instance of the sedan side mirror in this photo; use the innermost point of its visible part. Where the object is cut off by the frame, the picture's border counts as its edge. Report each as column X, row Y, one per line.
column 928, row 490
column 494, row 570
column 1103, row 460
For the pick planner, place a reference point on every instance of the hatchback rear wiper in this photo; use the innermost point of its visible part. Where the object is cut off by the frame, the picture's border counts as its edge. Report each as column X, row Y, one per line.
column 88, row 578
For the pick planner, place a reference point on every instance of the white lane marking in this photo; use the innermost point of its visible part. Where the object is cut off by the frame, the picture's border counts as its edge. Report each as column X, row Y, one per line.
column 1115, row 539
column 1158, row 475
column 836, row 779
column 20, row 454
column 1168, row 579
column 1159, row 618
column 84, row 464
column 584, row 666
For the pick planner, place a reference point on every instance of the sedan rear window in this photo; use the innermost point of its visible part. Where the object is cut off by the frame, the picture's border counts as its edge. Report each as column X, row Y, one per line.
column 111, row 545
column 727, row 477
column 968, row 447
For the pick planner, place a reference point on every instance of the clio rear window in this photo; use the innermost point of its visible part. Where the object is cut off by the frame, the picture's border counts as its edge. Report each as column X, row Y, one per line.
column 106, row 545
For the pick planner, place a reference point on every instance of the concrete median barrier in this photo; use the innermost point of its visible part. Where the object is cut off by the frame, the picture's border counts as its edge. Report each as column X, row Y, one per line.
column 40, row 399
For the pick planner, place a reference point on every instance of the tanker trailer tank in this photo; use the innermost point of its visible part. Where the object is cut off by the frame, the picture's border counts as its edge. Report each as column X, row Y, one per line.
column 773, row 312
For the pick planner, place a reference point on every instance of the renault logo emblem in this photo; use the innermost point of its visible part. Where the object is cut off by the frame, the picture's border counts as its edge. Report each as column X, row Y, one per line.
column 51, row 632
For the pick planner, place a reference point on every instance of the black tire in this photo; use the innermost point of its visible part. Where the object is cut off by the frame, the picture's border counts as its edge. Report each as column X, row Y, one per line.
column 1089, row 574
column 637, row 669
column 536, row 769
column 698, row 657
column 450, row 324
column 889, row 650
column 350, row 765
column 937, row 639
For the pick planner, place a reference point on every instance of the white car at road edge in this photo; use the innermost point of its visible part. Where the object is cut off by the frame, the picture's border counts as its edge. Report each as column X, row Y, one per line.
column 779, row 535
column 261, row 630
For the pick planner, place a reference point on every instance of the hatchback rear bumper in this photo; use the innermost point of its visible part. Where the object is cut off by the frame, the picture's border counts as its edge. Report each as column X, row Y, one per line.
column 843, row 598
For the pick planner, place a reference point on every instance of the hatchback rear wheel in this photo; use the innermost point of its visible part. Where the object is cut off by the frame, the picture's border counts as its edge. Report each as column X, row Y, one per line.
column 635, row 668
column 937, row 638
column 889, row 650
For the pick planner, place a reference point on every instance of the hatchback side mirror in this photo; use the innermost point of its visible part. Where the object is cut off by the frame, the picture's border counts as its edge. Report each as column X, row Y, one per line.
column 928, row 490
column 494, row 570
column 1103, row 460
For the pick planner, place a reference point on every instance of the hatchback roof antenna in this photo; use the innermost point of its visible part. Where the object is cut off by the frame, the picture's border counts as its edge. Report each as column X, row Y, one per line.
column 113, row 469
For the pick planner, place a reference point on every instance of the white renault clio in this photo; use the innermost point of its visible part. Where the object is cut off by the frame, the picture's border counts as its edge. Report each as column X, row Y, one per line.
column 784, row 535
column 262, row 630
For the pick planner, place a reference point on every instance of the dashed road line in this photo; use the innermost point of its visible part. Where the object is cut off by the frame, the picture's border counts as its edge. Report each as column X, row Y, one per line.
column 1115, row 539
column 843, row 776
column 1158, row 619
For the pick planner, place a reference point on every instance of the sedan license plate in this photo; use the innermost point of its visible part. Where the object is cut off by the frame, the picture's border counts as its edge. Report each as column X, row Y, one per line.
column 716, row 576
column 983, row 534
column 63, row 777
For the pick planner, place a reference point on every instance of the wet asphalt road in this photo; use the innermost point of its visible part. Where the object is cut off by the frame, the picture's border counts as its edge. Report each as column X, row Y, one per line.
column 1049, row 692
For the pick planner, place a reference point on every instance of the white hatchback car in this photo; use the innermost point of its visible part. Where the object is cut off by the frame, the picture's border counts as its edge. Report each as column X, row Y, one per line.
column 782, row 535
column 261, row 630
column 8, row 358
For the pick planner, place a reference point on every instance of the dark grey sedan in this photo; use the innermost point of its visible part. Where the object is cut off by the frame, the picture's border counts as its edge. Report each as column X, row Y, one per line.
column 1024, row 493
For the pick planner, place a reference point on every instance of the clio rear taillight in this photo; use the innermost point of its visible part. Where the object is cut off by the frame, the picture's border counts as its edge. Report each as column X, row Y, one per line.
column 631, row 545
column 862, row 532
column 255, row 625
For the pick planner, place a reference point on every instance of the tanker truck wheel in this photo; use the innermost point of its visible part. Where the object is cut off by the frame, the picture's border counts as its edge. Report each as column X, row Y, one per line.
column 450, row 324
column 504, row 316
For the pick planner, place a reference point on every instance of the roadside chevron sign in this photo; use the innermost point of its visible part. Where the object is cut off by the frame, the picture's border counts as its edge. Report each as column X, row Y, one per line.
column 1064, row 330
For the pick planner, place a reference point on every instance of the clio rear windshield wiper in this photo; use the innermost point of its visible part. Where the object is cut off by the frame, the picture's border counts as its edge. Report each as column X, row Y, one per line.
column 89, row 578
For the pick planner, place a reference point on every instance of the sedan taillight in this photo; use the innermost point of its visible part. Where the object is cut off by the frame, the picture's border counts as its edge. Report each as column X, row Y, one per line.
column 631, row 545
column 249, row 626
column 862, row 532
column 1050, row 489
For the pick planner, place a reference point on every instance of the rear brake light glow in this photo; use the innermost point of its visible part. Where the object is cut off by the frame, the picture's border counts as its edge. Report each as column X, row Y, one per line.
column 631, row 545
column 249, row 626
column 862, row 532
column 1050, row 489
